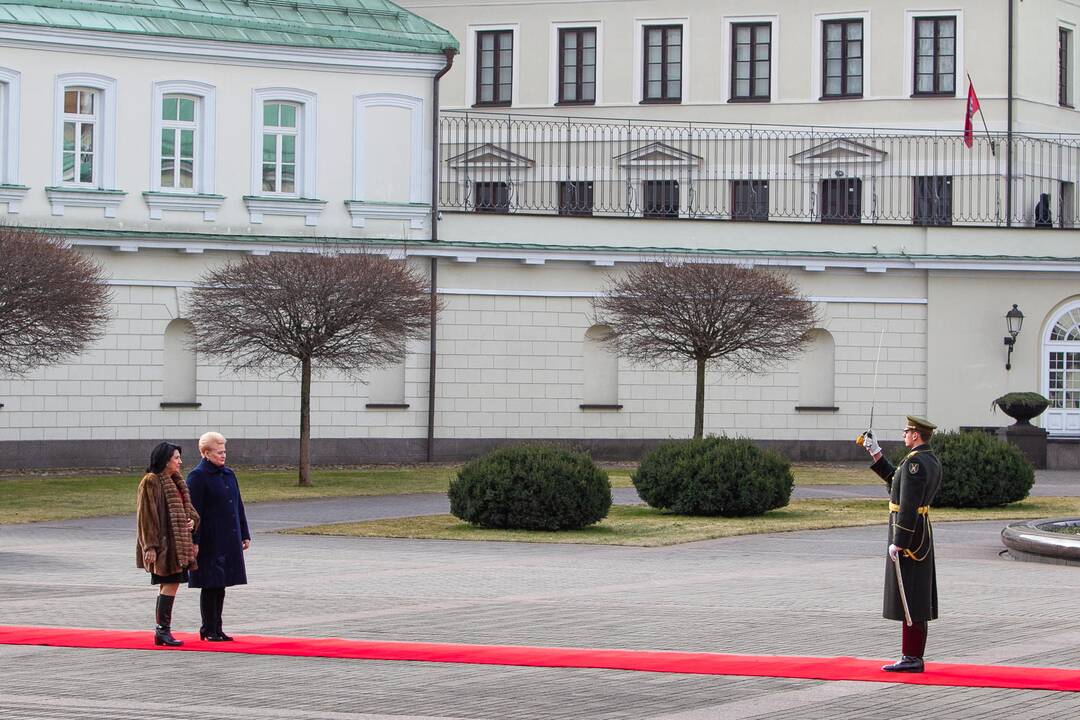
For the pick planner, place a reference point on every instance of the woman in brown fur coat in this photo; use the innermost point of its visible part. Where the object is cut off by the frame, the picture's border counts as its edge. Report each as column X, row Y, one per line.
column 165, row 520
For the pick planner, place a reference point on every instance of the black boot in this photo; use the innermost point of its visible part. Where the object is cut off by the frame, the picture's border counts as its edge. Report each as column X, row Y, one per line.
column 163, row 630
column 907, row 664
column 207, row 609
column 221, row 606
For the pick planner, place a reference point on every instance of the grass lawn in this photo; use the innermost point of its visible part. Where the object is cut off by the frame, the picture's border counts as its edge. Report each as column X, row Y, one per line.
column 647, row 527
column 62, row 496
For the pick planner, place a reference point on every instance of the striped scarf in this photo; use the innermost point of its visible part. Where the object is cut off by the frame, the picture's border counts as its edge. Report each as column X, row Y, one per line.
column 176, row 498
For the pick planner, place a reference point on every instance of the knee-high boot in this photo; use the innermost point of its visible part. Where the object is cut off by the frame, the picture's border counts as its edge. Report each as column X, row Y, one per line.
column 220, row 607
column 208, row 611
column 163, row 629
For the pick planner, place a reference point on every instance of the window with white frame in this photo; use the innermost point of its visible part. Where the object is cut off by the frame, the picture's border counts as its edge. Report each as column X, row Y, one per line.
column 179, row 136
column 80, row 158
column 280, row 147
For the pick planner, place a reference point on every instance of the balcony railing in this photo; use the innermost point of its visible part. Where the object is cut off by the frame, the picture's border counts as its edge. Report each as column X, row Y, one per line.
column 627, row 168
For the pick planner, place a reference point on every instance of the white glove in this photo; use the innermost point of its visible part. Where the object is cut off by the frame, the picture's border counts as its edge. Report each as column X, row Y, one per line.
column 894, row 550
column 870, row 443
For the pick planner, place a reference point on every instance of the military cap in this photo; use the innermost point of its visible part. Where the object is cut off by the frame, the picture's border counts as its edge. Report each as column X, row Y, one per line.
column 920, row 423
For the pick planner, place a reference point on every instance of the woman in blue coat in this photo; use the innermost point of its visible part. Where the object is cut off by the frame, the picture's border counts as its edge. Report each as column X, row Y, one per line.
column 222, row 535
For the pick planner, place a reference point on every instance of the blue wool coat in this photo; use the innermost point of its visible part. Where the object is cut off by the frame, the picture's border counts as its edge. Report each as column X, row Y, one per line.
column 215, row 494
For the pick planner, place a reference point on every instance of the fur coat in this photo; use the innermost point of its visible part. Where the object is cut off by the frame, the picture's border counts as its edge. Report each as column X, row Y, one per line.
column 157, row 530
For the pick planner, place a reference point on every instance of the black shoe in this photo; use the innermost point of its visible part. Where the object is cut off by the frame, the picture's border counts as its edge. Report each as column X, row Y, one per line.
column 163, row 628
column 907, row 663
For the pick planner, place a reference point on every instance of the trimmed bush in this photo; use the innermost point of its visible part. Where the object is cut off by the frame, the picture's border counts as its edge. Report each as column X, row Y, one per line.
column 533, row 487
column 714, row 476
column 978, row 470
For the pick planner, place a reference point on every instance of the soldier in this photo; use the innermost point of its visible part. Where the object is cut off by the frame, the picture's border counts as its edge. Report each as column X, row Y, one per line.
column 913, row 486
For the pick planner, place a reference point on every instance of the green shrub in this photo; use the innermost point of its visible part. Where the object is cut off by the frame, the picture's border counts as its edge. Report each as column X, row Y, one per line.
column 714, row 476
column 978, row 470
column 534, row 487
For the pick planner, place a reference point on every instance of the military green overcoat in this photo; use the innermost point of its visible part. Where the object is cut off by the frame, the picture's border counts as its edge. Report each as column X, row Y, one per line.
column 912, row 488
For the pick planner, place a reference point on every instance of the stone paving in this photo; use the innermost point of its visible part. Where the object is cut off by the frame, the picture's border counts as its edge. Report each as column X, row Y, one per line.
column 807, row 593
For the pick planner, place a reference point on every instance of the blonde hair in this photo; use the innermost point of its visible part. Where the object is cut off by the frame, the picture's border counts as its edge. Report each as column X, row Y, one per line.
column 210, row 438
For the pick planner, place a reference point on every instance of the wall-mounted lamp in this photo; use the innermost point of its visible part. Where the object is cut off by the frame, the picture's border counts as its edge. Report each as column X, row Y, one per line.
column 1014, row 320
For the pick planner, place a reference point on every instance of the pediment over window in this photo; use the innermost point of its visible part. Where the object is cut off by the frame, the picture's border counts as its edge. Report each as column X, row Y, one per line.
column 490, row 155
column 657, row 154
column 839, row 151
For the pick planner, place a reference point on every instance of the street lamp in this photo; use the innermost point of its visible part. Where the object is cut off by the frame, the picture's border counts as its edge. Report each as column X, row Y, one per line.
column 1014, row 320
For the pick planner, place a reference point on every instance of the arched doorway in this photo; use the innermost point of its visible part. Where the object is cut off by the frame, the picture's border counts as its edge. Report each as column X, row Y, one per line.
column 1061, row 372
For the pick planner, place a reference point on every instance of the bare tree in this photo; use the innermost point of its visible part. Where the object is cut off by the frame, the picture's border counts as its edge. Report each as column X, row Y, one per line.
column 748, row 318
column 311, row 311
column 53, row 300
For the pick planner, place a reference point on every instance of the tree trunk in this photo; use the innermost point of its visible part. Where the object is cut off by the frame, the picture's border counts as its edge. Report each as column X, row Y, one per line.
column 699, row 401
column 305, row 422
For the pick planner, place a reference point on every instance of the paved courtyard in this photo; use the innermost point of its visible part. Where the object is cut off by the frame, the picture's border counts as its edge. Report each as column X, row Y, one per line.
column 808, row 593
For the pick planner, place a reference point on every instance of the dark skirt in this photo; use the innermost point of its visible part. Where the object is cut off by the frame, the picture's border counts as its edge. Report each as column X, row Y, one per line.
column 179, row 577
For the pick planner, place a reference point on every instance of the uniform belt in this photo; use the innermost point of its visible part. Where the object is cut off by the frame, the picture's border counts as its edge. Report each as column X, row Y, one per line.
column 922, row 509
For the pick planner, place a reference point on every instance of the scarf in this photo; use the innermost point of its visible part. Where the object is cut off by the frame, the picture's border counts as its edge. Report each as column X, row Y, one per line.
column 177, row 501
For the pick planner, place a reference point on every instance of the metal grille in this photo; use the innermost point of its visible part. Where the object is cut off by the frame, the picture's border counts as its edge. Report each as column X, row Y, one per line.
column 630, row 168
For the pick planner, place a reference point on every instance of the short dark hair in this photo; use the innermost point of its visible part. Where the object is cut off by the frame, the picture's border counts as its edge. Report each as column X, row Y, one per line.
column 160, row 457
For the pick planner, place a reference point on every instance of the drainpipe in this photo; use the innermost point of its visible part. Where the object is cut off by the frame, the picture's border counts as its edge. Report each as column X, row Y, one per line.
column 1009, row 130
column 434, row 271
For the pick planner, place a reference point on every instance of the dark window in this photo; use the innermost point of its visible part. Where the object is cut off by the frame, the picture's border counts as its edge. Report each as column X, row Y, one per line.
column 841, row 200
column 494, row 67
column 492, row 197
column 575, row 197
column 1064, row 52
column 1067, row 205
column 935, row 56
column 661, row 199
column 751, row 59
column 577, row 66
column 662, row 72
column 750, row 200
column 933, row 200
column 842, row 58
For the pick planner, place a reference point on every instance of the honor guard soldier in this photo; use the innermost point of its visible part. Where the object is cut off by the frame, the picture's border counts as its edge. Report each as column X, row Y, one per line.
column 910, row 577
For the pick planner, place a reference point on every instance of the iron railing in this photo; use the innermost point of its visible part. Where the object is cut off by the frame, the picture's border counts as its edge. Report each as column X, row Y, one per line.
column 632, row 168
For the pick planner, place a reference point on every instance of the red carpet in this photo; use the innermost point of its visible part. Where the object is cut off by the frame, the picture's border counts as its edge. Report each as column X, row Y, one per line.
column 811, row 668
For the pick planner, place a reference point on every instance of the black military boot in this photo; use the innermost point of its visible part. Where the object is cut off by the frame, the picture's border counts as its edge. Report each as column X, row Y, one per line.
column 163, row 630
column 907, row 663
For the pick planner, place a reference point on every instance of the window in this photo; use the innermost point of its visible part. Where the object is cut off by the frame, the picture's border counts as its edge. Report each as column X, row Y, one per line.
column 842, row 58
column 279, row 147
column 1061, row 372
column 178, row 137
column 494, row 67
column 750, row 200
column 79, row 152
column 1067, row 204
column 661, row 199
column 935, row 56
column 662, row 64
column 751, row 60
column 577, row 66
column 841, row 200
column 1065, row 55
column 576, row 197
column 492, row 197
column 933, row 200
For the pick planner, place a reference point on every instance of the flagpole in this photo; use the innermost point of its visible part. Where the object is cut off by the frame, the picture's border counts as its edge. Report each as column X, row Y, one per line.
column 981, row 115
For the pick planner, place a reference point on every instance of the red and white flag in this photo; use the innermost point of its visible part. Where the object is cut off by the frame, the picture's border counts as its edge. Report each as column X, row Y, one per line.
column 972, row 108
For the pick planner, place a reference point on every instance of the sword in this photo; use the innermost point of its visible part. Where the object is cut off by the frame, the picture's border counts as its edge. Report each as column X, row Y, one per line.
column 873, row 398
column 900, row 584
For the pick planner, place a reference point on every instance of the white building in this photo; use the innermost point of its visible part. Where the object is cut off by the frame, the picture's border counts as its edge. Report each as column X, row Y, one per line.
column 575, row 138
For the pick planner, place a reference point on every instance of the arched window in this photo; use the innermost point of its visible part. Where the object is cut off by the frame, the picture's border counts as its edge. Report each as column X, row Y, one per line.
column 1061, row 371
column 600, row 371
column 178, row 371
column 817, row 373
column 386, row 387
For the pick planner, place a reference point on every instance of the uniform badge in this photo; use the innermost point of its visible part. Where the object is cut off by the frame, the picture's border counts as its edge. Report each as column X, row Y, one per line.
column 913, row 468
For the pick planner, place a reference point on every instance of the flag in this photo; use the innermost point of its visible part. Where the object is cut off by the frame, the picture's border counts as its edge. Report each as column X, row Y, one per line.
column 972, row 108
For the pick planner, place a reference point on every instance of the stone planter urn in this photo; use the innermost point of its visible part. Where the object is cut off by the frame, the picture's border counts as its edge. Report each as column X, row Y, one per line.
column 1022, row 406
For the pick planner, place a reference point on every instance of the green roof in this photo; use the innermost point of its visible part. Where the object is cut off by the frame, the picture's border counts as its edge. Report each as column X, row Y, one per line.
column 341, row 24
